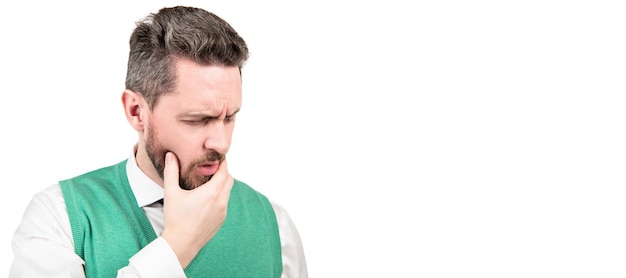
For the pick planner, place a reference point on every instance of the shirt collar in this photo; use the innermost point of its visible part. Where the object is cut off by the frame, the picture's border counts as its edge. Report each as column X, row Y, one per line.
column 146, row 191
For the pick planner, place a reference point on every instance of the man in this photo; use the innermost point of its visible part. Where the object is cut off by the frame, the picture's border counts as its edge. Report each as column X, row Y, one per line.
column 171, row 209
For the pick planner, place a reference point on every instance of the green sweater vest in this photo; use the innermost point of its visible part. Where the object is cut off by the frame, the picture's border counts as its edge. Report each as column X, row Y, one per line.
column 109, row 227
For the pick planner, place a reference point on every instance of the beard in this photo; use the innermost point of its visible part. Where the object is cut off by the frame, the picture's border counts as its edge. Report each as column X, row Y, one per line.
column 186, row 179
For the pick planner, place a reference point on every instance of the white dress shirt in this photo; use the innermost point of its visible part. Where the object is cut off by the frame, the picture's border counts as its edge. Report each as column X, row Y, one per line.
column 43, row 244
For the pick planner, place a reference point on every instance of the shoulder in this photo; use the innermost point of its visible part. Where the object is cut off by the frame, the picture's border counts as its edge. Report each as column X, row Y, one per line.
column 101, row 173
column 51, row 195
column 48, row 201
column 46, row 213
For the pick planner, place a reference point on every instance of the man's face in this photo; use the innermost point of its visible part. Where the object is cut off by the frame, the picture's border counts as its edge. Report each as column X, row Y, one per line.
column 195, row 122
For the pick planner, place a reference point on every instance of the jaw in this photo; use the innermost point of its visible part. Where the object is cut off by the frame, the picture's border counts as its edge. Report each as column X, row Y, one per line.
column 145, row 164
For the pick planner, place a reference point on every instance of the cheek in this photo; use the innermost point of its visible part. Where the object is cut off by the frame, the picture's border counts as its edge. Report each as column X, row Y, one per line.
column 186, row 146
column 171, row 138
column 229, row 135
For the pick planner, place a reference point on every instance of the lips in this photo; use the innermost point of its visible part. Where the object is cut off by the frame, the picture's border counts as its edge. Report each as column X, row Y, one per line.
column 207, row 169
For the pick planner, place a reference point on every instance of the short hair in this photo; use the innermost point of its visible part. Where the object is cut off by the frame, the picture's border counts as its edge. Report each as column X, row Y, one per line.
column 178, row 33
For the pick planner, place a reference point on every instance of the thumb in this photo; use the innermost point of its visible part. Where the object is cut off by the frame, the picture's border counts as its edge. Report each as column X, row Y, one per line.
column 170, row 174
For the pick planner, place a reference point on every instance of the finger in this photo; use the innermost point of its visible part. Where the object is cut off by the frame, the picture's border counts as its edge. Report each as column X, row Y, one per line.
column 220, row 175
column 222, row 169
column 170, row 173
column 219, row 180
column 224, row 178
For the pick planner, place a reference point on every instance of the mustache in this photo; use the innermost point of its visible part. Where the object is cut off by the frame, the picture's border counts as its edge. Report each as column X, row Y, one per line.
column 211, row 156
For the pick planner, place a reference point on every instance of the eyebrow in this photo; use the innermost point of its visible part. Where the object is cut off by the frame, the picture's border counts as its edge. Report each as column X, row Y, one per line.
column 205, row 115
column 233, row 114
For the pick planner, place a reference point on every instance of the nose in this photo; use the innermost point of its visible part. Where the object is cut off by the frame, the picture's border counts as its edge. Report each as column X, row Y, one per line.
column 218, row 137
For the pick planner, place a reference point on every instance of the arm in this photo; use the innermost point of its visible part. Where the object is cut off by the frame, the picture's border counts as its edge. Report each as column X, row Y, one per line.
column 43, row 245
column 294, row 262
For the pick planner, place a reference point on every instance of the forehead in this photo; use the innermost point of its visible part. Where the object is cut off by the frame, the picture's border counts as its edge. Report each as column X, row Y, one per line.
column 200, row 87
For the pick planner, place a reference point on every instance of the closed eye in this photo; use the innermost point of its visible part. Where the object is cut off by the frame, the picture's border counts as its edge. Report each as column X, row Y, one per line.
column 202, row 121
column 229, row 119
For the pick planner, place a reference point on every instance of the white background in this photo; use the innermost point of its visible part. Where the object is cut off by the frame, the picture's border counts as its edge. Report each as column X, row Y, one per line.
column 405, row 138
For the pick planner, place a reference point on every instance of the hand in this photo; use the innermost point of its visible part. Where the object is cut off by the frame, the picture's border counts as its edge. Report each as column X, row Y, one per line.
column 193, row 217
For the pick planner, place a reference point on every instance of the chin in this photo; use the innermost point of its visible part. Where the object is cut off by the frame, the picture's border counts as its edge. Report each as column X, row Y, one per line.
column 193, row 184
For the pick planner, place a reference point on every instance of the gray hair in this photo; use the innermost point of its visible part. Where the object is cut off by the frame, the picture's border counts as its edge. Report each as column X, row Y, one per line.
column 179, row 33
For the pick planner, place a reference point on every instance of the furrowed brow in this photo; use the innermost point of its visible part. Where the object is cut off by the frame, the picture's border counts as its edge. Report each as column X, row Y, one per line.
column 204, row 114
column 233, row 114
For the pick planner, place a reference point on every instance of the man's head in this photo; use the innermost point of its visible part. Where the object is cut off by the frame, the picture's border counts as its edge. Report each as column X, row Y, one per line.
column 183, row 89
column 160, row 39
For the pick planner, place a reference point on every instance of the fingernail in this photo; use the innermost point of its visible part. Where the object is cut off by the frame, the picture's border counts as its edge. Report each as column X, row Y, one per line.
column 168, row 157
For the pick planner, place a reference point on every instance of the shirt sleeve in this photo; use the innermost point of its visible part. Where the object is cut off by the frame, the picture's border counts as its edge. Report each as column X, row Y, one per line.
column 146, row 264
column 43, row 246
column 294, row 262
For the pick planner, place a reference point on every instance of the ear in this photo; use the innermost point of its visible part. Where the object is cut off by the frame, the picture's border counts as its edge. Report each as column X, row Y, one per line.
column 135, row 109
